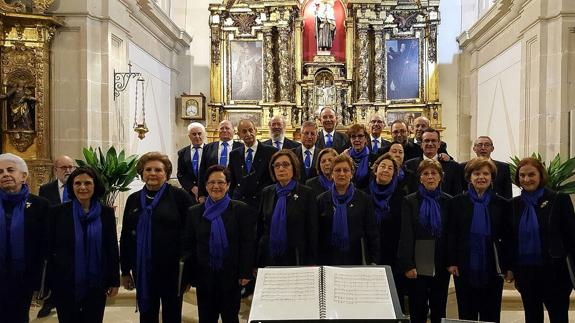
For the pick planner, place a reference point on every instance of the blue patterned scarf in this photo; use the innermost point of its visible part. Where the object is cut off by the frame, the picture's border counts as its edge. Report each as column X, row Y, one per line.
column 381, row 195
column 17, row 241
column 325, row 182
column 340, row 231
column 479, row 237
column 429, row 211
column 218, row 237
column 361, row 160
column 144, row 248
column 278, row 229
column 529, row 236
column 88, row 251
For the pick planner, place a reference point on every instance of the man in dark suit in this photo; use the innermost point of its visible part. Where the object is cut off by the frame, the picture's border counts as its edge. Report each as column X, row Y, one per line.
column 452, row 174
column 483, row 147
column 217, row 152
column 328, row 137
column 56, row 192
column 400, row 133
column 189, row 160
column 249, row 166
column 277, row 127
column 420, row 124
column 377, row 145
column 307, row 152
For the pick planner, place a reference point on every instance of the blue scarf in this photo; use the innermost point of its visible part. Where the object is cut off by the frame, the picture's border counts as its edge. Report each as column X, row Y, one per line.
column 340, row 231
column 144, row 248
column 218, row 237
column 17, row 241
column 361, row 160
column 381, row 195
column 278, row 229
column 479, row 237
column 325, row 182
column 529, row 238
column 401, row 174
column 429, row 212
column 88, row 252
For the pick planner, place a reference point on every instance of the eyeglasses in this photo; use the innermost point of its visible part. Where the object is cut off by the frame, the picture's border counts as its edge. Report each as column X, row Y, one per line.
column 65, row 168
column 342, row 170
column 357, row 137
column 483, row 145
column 216, row 183
column 284, row 165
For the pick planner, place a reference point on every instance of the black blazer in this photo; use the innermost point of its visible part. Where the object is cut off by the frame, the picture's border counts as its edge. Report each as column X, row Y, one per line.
column 35, row 244
column 412, row 230
column 185, row 173
column 313, row 169
column 248, row 187
column 501, row 182
column 50, row 192
column 451, row 182
column 315, row 186
column 61, row 252
column 168, row 224
column 240, row 225
column 556, row 223
column 362, row 183
column 210, row 157
column 362, row 225
column 442, row 148
column 460, row 218
column 288, row 143
column 340, row 141
column 302, row 227
column 390, row 226
column 383, row 147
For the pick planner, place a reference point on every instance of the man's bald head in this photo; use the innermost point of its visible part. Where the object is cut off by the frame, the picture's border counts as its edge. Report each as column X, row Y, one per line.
column 63, row 167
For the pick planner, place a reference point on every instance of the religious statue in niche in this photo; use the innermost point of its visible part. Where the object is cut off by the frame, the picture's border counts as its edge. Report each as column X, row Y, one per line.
column 324, row 24
column 403, row 69
column 324, row 91
column 21, row 105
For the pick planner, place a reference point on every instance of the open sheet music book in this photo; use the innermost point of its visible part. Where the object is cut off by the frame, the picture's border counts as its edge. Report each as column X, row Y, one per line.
column 312, row 293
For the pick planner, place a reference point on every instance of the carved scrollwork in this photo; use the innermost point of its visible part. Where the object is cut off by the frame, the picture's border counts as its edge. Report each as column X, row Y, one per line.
column 284, row 64
column 363, row 62
column 21, row 140
column 432, row 51
column 215, row 44
column 244, row 22
column 40, row 6
column 15, row 6
column 379, row 70
column 405, row 19
column 270, row 85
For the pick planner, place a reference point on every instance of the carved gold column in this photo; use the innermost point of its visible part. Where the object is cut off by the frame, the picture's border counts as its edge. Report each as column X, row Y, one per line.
column 284, row 66
column 270, row 85
column 379, row 68
column 363, row 61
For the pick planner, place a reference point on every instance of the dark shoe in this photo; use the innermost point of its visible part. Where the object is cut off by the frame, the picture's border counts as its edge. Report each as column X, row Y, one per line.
column 45, row 310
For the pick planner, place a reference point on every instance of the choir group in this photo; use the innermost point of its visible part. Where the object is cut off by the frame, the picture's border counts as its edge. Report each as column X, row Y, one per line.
column 333, row 199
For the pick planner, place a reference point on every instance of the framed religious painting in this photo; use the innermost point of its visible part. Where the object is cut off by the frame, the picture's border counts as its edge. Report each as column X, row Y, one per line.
column 235, row 116
column 245, row 72
column 192, row 106
column 406, row 114
column 403, row 69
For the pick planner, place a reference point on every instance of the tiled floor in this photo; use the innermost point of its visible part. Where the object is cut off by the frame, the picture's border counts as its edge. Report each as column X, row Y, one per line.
column 121, row 309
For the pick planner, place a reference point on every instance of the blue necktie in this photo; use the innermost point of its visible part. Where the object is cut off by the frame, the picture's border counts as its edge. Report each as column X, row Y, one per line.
column 249, row 159
column 65, row 197
column 329, row 143
column 375, row 147
column 195, row 160
column 224, row 155
column 307, row 162
column 277, row 144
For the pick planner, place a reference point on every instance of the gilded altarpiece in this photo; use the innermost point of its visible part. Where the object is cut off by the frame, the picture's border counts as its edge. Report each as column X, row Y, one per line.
column 26, row 34
column 294, row 58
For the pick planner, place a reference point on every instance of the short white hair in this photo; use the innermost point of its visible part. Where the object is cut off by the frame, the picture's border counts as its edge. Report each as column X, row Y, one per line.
column 17, row 160
column 193, row 125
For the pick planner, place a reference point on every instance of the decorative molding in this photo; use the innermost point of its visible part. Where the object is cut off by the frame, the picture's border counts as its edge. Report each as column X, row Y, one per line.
column 164, row 23
column 244, row 22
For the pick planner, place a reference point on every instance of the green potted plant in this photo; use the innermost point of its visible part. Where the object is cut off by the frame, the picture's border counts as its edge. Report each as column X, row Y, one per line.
column 117, row 171
column 561, row 174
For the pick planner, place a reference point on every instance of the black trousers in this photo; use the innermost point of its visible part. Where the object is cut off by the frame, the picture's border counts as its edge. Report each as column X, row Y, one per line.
column 546, row 285
column 89, row 310
column 428, row 294
column 214, row 301
column 166, row 293
column 15, row 305
column 483, row 304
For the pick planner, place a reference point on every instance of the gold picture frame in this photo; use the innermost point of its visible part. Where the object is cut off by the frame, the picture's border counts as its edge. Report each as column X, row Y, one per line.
column 192, row 107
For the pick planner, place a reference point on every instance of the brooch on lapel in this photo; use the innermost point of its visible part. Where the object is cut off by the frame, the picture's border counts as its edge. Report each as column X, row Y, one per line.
column 544, row 204
column 350, row 204
column 28, row 204
column 295, row 197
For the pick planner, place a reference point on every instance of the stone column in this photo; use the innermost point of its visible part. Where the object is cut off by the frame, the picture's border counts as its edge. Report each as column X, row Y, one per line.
column 363, row 61
column 270, row 85
column 379, row 67
column 284, row 67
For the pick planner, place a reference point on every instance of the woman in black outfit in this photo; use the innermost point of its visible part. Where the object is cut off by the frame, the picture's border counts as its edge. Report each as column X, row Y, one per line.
column 84, row 263
column 288, row 216
column 151, row 241
column 220, row 244
column 323, row 181
column 543, row 236
column 359, row 152
column 423, row 244
column 477, row 229
column 23, row 226
column 347, row 226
